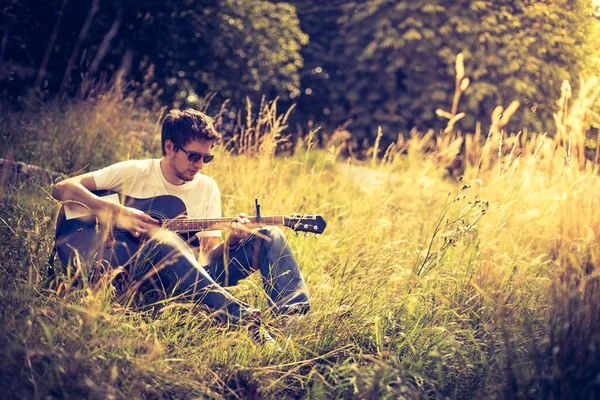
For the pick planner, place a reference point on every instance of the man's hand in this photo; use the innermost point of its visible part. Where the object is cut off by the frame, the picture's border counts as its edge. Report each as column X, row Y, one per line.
column 79, row 189
column 240, row 229
column 137, row 222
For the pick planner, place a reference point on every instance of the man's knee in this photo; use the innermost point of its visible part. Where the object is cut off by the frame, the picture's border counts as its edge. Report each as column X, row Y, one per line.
column 273, row 235
column 166, row 237
column 169, row 244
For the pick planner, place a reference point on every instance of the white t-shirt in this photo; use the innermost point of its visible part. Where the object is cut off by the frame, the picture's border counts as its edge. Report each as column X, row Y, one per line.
column 143, row 178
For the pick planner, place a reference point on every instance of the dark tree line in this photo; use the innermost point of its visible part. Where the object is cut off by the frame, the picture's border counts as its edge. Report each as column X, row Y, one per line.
column 366, row 64
column 233, row 47
column 392, row 63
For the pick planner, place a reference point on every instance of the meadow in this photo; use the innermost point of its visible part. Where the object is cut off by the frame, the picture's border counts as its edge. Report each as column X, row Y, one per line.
column 433, row 279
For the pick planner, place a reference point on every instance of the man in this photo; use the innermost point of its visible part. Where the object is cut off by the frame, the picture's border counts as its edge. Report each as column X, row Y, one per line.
column 187, row 140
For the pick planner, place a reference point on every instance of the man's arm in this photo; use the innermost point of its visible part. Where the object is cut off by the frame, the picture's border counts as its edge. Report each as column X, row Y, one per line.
column 79, row 189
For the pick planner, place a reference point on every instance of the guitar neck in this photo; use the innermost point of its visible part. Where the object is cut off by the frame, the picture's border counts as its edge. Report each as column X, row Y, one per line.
column 202, row 224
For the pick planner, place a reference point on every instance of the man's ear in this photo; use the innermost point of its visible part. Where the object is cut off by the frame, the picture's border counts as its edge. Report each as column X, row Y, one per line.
column 169, row 147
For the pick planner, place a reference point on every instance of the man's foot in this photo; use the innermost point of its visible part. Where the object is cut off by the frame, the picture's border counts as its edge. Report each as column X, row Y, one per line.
column 261, row 336
column 258, row 332
column 291, row 314
column 290, row 320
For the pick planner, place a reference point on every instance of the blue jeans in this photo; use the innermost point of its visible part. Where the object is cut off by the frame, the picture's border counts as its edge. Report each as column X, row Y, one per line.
column 166, row 267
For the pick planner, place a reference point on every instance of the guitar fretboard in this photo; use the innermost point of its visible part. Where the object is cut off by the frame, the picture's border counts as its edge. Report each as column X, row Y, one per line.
column 201, row 224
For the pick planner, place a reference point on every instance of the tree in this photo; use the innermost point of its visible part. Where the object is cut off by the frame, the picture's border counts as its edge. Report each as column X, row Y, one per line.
column 399, row 60
column 323, row 67
column 237, row 48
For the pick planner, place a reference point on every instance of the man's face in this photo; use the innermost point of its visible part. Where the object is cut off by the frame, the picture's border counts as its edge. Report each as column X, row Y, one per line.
column 179, row 162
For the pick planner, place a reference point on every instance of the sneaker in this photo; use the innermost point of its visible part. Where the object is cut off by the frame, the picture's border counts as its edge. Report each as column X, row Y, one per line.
column 258, row 333
column 290, row 315
column 290, row 320
column 261, row 336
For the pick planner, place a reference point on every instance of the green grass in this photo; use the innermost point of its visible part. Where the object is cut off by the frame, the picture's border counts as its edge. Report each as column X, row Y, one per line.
column 422, row 286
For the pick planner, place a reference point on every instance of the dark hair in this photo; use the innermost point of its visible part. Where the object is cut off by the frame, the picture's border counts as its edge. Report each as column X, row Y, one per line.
column 182, row 127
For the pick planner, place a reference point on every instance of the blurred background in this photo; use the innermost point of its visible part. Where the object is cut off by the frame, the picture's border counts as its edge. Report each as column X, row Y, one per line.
column 359, row 65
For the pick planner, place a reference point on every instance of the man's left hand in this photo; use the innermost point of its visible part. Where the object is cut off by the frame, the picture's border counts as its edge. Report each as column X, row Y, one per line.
column 240, row 228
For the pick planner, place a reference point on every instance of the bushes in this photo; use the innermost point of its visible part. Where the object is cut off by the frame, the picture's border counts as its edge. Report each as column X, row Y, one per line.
column 80, row 136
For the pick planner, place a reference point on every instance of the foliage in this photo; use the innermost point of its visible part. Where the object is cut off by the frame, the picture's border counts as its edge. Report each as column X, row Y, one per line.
column 237, row 48
column 80, row 136
column 367, row 63
column 399, row 58
column 322, row 64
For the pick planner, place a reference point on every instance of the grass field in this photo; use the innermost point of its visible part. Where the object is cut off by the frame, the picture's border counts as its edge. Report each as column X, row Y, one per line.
column 427, row 283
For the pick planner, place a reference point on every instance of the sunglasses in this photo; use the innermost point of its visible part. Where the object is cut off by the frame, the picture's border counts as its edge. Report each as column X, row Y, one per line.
column 195, row 157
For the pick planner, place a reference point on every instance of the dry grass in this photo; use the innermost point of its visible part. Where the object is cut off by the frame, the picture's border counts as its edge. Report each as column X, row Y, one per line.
column 423, row 285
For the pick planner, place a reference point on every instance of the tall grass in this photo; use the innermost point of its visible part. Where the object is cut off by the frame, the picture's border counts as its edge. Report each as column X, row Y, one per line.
column 424, row 285
column 80, row 135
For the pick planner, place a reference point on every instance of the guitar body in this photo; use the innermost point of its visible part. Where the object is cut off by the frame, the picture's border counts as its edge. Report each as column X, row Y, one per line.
column 83, row 237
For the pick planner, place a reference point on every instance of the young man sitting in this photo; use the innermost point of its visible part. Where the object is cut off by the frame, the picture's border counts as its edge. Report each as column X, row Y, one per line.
column 187, row 140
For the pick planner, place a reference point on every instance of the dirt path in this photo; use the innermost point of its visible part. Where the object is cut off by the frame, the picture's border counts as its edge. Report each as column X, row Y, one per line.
column 368, row 178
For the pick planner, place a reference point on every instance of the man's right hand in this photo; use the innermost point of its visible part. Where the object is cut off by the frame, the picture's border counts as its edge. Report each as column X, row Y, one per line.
column 79, row 189
column 137, row 222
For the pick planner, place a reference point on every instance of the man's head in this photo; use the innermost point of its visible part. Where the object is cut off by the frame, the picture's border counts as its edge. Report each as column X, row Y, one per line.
column 187, row 140
column 183, row 127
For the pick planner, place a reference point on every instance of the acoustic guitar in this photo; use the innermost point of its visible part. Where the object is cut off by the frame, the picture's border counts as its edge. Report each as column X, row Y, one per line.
column 80, row 234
